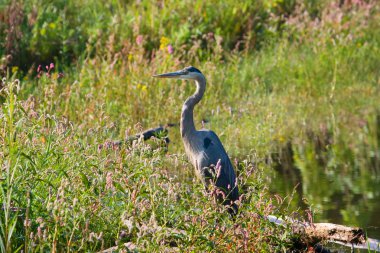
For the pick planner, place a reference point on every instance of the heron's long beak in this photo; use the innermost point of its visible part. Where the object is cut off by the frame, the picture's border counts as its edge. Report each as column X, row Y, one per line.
column 170, row 75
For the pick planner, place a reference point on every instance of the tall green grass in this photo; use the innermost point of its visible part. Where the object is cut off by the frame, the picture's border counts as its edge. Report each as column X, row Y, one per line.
column 65, row 191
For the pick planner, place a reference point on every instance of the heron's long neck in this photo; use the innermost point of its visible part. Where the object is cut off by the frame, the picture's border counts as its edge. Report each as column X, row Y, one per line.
column 187, row 116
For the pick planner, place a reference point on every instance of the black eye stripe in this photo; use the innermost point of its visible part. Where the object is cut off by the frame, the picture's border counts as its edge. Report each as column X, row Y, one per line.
column 193, row 69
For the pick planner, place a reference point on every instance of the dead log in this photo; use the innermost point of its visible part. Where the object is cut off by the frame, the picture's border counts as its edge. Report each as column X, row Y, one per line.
column 314, row 233
column 158, row 132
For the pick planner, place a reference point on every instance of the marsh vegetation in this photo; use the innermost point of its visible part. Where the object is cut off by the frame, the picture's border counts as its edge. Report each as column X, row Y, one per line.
column 293, row 93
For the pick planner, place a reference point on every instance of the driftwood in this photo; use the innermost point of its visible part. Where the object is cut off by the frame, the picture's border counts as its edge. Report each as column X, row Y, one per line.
column 314, row 233
column 317, row 232
column 158, row 132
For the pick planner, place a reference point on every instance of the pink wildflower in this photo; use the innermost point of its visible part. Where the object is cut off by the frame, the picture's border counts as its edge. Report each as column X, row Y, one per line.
column 218, row 168
column 170, row 49
column 139, row 40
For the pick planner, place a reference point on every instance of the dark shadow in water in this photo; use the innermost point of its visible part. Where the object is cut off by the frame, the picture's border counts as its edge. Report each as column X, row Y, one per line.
column 291, row 175
column 336, row 180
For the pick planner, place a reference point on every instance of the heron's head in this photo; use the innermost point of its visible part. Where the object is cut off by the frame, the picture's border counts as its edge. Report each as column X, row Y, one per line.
column 188, row 73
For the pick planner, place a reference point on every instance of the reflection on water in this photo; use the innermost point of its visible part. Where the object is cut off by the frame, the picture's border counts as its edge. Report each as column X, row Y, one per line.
column 342, row 189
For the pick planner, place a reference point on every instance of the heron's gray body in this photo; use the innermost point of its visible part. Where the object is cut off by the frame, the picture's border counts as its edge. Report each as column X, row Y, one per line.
column 205, row 151
column 203, row 147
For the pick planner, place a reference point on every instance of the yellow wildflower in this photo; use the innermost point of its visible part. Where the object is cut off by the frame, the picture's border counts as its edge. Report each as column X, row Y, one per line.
column 164, row 42
column 52, row 25
column 14, row 69
column 142, row 87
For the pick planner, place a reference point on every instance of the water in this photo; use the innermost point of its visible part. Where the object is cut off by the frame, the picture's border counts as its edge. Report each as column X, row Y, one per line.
column 342, row 196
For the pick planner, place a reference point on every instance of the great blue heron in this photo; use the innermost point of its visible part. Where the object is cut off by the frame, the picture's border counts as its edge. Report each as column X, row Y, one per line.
column 203, row 147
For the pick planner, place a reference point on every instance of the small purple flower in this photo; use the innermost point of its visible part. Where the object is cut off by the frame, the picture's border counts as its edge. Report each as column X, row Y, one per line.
column 170, row 49
column 362, row 123
column 139, row 40
column 51, row 65
column 39, row 68
column 218, row 168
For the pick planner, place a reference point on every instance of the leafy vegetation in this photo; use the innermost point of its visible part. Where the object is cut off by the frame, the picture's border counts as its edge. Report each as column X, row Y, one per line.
column 292, row 86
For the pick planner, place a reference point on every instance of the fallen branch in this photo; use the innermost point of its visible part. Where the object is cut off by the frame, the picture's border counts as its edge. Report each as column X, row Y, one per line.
column 317, row 232
column 313, row 233
column 158, row 132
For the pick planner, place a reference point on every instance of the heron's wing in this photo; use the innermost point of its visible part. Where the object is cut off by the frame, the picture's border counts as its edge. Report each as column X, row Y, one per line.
column 214, row 151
